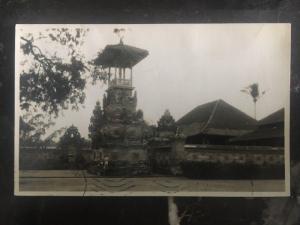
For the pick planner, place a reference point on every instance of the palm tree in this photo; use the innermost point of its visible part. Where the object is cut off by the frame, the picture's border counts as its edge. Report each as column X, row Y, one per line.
column 253, row 91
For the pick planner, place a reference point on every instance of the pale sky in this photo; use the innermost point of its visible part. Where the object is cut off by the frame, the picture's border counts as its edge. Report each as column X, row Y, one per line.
column 189, row 65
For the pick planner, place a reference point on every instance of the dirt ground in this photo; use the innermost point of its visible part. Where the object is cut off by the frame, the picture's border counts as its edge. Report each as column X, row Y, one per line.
column 79, row 182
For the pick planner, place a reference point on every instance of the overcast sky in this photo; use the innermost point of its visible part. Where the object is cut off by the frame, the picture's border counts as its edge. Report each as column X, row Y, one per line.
column 189, row 65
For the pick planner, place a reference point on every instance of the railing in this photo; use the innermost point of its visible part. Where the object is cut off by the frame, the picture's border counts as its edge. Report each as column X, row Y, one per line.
column 120, row 82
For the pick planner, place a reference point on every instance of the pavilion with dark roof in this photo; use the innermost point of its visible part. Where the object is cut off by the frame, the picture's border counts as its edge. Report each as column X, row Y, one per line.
column 120, row 58
column 215, row 123
column 120, row 55
column 270, row 132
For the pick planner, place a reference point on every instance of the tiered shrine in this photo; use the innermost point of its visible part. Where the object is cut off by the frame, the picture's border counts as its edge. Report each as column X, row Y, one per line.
column 124, row 129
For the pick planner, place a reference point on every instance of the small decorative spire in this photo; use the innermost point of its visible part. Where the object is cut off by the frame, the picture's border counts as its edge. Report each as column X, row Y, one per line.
column 120, row 32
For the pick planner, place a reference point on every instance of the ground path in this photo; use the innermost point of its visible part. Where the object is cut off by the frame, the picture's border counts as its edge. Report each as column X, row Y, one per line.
column 79, row 182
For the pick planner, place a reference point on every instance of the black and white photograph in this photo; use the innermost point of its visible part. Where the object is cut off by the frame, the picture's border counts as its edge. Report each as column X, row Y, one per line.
column 152, row 109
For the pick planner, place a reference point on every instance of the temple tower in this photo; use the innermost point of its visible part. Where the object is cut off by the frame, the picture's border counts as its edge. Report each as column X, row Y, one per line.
column 124, row 128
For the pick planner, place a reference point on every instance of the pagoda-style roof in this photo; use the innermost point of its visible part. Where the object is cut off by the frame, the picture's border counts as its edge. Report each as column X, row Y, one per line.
column 261, row 133
column 268, row 127
column 276, row 117
column 216, row 118
column 120, row 55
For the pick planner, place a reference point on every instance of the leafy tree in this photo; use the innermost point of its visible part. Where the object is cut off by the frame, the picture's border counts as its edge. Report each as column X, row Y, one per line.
column 166, row 122
column 32, row 130
column 25, row 130
column 50, row 82
column 50, row 139
column 96, row 123
column 71, row 139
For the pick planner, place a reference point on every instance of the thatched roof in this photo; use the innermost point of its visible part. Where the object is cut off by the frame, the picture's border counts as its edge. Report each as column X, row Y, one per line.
column 269, row 128
column 120, row 55
column 276, row 117
column 217, row 118
column 261, row 133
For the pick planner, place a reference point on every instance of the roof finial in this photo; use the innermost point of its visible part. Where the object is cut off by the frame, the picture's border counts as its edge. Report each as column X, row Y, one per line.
column 120, row 32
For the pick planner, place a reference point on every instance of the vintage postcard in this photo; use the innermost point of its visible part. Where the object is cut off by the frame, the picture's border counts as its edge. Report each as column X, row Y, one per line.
column 152, row 109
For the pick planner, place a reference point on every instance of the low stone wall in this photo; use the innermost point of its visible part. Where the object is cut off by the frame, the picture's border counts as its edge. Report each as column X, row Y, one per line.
column 195, row 160
column 233, row 162
column 121, row 153
column 43, row 159
column 36, row 158
column 161, row 159
column 217, row 161
column 258, row 155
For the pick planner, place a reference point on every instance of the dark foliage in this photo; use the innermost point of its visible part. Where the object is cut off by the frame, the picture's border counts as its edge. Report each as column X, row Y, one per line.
column 253, row 90
column 96, row 123
column 234, row 211
column 72, row 139
column 32, row 130
column 51, row 83
column 166, row 122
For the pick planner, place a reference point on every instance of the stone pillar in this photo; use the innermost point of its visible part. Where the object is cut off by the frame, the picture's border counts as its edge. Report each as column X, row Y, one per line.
column 177, row 155
column 178, row 152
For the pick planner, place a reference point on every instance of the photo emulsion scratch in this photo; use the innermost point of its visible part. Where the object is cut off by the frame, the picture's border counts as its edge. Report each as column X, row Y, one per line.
column 152, row 110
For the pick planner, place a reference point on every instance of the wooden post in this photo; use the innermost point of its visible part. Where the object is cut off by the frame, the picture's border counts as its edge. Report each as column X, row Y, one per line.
column 120, row 73
column 108, row 75
column 131, row 76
